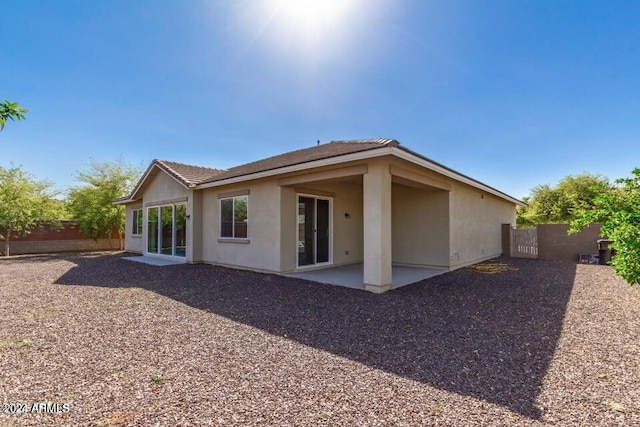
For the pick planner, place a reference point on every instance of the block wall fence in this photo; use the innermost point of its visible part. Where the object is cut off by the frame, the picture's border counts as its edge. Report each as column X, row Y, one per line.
column 553, row 242
column 67, row 238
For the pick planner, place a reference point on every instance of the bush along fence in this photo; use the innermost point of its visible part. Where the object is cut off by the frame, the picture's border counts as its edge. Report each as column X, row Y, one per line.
column 66, row 238
column 550, row 242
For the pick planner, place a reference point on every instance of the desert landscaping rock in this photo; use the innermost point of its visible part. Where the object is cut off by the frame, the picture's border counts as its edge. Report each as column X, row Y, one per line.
column 123, row 343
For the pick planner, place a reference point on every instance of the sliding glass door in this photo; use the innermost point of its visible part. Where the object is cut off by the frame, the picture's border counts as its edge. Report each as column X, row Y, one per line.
column 314, row 231
column 181, row 231
column 167, row 230
column 152, row 230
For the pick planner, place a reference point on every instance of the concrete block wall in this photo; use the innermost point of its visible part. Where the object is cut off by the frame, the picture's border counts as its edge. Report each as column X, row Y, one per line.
column 66, row 238
column 53, row 246
column 555, row 244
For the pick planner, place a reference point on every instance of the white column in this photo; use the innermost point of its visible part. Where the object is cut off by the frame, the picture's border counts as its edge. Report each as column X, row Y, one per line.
column 376, row 190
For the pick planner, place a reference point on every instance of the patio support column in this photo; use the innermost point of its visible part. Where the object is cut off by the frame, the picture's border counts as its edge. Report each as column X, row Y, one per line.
column 376, row 188
column 194, row 227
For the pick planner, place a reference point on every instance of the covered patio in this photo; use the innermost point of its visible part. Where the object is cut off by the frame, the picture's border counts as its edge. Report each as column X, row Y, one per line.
column 352, row 275
column 390, row 217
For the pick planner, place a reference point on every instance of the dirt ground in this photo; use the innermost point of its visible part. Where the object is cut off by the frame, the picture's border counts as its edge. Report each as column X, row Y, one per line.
column 95, row 340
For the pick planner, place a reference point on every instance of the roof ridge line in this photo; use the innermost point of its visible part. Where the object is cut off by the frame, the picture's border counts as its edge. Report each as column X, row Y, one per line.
column 382, row 141
column 179, row 175
column 190, row 165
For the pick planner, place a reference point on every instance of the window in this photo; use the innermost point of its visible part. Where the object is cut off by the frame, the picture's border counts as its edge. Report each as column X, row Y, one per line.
column 233, row 217
column 137, row 222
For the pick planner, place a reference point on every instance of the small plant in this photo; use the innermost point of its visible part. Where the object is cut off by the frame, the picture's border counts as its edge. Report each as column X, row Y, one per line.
column 24, row 343
column 615, row 406
column 539, row 325
column 15, row 344
column 437, row 410
column 156, row 379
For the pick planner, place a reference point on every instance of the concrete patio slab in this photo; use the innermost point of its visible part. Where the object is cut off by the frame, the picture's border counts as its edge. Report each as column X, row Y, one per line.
column 159, row 262
column 352, row 275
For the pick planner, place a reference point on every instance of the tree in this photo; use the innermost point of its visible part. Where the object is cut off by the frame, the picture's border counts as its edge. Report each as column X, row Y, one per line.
column 548, row 205
column 25, row 203
column 11, row 110
column 619, row 212
column 91, row 203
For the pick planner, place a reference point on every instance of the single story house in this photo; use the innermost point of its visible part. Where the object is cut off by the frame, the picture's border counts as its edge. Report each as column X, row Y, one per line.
column 370, row 201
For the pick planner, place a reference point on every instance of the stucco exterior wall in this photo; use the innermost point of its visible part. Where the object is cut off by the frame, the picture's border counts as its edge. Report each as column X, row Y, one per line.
column 194, row 227
column 163, row 188
column 288, row 215
column 420, row 227
column 347, row 232
column 132, row 243
column 347, row 243
column 475, row 227
column 272, row 226
column 435, row 220
column 261, row 250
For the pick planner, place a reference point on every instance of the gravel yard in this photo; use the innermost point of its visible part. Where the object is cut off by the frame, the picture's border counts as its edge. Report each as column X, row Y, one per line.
column 123, row 343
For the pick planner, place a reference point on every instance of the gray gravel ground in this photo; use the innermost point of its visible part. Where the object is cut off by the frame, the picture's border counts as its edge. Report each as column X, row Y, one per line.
column 124, row 343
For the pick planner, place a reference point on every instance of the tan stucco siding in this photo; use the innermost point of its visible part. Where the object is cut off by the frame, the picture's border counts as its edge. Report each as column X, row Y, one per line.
column 347, row 231
column 163, row 188
column 131, row 243
column 420, row 227
column 194, row 227
column 288, row 215
column 262, row 252
column 376, row 202
column 475, row 228
column 346, row 221
column 428, row 219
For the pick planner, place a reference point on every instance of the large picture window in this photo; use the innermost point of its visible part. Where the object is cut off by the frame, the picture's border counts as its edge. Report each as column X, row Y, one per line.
column 136, row 229
column 233, row 217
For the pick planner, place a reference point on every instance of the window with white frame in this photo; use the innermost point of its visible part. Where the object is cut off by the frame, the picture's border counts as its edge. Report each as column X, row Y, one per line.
column 233, row 217
column 136, row 228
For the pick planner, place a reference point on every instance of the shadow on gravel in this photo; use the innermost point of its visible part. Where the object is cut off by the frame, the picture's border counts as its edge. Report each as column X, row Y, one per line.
column 490, row 337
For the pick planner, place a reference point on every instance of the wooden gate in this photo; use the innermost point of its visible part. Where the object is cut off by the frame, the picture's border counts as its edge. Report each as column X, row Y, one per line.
column 524, row 242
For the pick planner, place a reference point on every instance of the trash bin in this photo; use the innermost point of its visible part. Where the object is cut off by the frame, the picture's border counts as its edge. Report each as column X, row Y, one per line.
column 604, row 253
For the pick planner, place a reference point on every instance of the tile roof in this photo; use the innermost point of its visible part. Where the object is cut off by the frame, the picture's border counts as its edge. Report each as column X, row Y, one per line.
column 305, row 155
column 189, row 175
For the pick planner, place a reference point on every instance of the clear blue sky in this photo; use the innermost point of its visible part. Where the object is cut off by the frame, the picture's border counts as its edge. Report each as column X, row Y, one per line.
column 513, row 93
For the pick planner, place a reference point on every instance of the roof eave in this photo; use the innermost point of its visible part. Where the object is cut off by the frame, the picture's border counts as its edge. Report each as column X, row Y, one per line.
column 124, row 201
column 155, row 163
column 395, row 150
column 389, row 149
column 392, row 149
column 342, row 158
column 412, row 156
